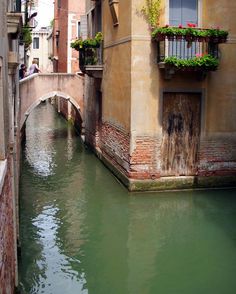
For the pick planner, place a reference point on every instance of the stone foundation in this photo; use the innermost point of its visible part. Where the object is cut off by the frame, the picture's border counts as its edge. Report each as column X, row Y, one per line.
column 217, row 156
column 139, row 167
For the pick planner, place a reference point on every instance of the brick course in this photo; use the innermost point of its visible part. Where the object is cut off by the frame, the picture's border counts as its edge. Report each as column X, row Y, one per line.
column 142, row 163
column 145, row 159
column 217, row 156
column 7, row 254
column 115, row 145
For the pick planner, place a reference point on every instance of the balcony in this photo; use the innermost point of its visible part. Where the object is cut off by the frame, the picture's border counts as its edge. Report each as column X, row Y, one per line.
column 90, row 55
column 91, row 61
column 14, row 23
column 188, row 49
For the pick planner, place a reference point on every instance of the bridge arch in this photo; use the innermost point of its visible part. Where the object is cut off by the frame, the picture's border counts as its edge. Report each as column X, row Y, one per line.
column 40, row 87
column 47, row 96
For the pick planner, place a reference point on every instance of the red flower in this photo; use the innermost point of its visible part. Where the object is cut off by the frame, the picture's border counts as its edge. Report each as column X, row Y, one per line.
column 180, row 26
column 191, row 25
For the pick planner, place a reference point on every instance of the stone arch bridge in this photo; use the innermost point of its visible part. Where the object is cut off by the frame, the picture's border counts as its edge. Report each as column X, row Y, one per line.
column 40, row 87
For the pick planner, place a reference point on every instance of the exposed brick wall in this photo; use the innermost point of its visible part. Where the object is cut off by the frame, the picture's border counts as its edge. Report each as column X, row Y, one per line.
column 217, row 156
column 7, row 255
column 142, row 163
column 145, row 159
column 115, row 145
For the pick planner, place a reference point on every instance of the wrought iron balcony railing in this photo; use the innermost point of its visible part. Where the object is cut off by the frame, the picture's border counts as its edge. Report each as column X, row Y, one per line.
column 180, row 48
column 178, row 54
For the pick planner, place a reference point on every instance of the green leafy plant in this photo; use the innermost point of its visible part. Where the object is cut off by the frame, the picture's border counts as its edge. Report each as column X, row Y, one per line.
column 190, row 33
column 52, row 22
column 204, row 62
column 26, row 36
column 80, row 44
column 151, row 10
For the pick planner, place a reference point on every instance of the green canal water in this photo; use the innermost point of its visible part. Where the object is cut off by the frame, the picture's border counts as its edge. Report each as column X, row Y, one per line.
column 82, row 232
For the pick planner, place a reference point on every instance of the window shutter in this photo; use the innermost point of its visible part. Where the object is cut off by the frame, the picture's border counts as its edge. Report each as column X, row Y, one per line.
column 189, row 12
column 175, row 12
column 83, row 25
column 183, row 12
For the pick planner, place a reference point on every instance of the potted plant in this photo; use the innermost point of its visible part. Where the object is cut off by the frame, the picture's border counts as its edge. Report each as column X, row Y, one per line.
column 190, row 34
column 199, row 62
column 80, row 44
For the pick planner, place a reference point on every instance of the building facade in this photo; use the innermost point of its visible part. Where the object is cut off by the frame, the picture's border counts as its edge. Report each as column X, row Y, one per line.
column 10, row 23
column 67, row 26
column 40, row 49
column 155, row 126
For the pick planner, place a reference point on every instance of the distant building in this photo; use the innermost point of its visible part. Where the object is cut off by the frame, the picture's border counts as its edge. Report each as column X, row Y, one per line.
column 156, row 125
column 67, row 27
column 40, row 49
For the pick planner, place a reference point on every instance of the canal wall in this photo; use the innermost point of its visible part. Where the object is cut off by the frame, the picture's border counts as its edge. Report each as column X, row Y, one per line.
column 69, row 112
column 7, row 240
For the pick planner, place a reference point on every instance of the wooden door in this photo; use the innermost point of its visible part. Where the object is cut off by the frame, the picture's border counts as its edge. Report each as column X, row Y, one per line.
column 181, row 131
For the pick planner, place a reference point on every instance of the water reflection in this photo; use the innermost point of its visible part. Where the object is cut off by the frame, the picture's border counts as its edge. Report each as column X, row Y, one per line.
column 82, row 232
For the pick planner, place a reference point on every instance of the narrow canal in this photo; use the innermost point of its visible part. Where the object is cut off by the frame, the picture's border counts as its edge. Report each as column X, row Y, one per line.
column 82, row 232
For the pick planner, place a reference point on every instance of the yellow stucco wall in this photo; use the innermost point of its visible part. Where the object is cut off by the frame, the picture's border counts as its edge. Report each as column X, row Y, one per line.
column 132, row 82
column 221, row 86
column 219, row 100
column 116, row 86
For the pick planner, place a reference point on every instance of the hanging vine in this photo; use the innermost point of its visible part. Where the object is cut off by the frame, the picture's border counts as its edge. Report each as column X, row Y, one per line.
column 151, row 10
column 26, row 36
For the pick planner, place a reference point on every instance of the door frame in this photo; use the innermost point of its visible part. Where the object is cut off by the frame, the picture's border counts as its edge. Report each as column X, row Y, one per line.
column 167, row 10
column 184, row 90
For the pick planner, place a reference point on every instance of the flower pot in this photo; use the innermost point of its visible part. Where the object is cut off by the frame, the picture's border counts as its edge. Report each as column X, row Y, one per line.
column 222, row 39
column 160, row 37
column 189, row 44
column 170, row 37
column 201, row 39
column 215, row 40
column 179, row 37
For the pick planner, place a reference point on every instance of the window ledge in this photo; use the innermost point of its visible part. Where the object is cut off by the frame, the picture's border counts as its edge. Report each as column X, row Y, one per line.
column 3, row 171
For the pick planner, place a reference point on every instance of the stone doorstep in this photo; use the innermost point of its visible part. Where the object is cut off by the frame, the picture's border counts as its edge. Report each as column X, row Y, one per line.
column 3, row 170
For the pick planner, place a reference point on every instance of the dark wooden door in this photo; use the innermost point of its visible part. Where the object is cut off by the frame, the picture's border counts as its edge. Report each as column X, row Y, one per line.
column 181, row 131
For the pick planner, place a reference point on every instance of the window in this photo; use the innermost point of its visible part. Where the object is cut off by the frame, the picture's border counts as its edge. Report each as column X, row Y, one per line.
column 36, row 43
column 58, row 3
column 183, row 12
column 79, row 30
